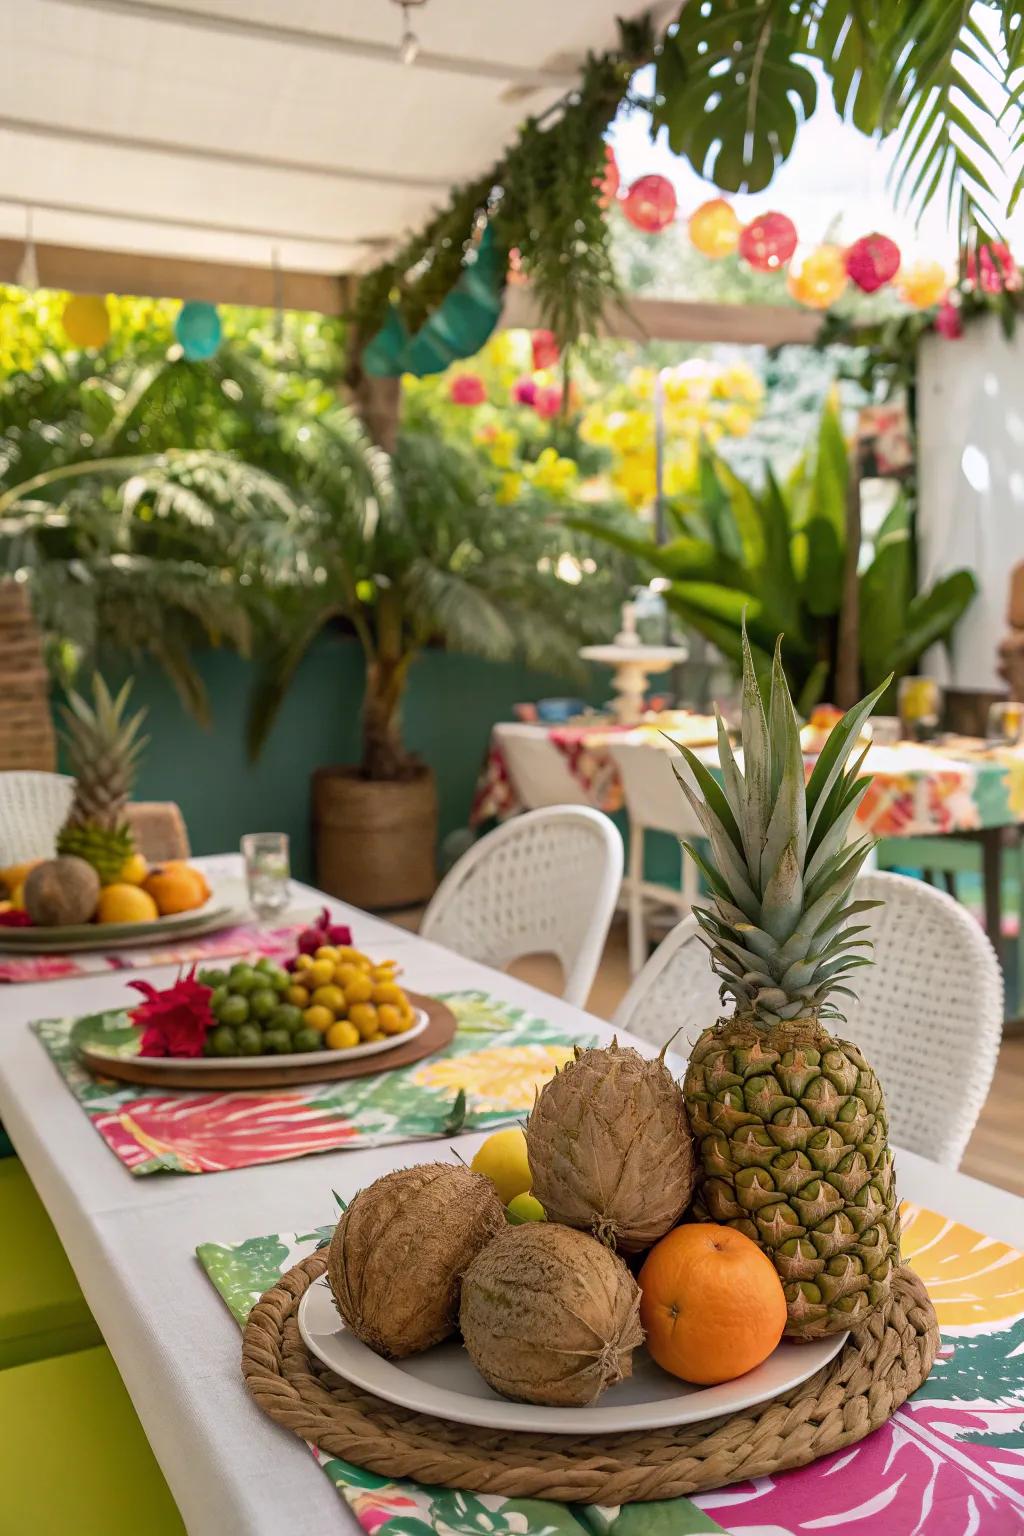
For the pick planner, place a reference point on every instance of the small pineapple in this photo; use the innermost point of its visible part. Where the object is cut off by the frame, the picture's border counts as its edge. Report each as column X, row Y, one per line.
column 789, row 1120
column 103, row 748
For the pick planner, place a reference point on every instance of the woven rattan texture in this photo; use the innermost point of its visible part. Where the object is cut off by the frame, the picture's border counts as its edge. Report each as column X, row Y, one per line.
column 872, row 1375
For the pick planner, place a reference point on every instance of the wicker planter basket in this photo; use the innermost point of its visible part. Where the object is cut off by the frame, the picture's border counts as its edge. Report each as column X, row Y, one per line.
column 375, row 842
column 26, row 728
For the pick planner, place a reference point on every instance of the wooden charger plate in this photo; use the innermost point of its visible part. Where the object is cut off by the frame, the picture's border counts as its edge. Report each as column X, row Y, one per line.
column 260, row 1072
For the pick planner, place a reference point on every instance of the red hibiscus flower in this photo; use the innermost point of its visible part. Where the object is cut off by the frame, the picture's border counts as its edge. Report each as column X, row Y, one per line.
column 175, row 1021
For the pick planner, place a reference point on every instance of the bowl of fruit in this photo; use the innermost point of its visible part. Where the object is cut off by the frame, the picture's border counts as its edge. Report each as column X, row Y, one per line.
column 321, row 1015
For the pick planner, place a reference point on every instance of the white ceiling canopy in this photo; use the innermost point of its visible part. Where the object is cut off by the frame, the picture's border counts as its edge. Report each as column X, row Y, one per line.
column 256, row 132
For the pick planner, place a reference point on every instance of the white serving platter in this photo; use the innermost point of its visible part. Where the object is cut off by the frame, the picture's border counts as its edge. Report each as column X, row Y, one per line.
column 444, row 1382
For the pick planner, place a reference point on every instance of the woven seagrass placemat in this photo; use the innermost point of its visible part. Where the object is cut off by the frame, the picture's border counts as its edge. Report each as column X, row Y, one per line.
column 874, row 1372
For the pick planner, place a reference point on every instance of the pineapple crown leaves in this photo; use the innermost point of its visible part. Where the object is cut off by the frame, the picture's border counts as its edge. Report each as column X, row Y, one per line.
column 91, row 731
column 781, row 869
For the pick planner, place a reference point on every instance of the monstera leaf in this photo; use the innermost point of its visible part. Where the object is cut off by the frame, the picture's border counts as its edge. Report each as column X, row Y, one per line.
column 732, row 92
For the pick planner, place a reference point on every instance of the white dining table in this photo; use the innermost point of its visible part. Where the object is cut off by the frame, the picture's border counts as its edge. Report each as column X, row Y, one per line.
column 132, row 1242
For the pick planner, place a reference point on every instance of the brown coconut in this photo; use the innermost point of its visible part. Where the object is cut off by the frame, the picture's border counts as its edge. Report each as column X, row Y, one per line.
column 398, row 1254
column 610, row 1149
column 549, row 1315
column 61, row 891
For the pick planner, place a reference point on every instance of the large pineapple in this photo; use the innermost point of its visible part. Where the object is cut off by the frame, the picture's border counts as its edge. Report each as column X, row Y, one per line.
column 103, row 748
column 789, row 1120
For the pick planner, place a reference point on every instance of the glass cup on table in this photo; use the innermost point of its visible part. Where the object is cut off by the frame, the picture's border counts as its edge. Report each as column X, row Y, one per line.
column 919, row 701
column 266, row 872
column 1004, row 725
column 886, row 730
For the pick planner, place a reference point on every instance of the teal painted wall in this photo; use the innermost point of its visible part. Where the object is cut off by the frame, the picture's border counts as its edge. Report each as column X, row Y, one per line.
column 451, row 705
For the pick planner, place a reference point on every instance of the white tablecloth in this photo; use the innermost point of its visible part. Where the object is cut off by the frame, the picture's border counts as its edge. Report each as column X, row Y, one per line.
column 132, row 1243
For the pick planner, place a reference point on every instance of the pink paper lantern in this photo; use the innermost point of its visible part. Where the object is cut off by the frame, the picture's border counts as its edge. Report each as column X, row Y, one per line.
column 767, row 242
column 872, row 261
column 546, row 350
column 650, row 204
column 999, row 272
column 548, row 400
column 467, row 389
column 524, row 391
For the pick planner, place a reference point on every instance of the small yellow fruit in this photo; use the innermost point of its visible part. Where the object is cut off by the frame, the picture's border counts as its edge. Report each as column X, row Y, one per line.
column 134, row 870
column 326, row 952
column 330, row 997
column 125, row 904
column 525, row 1208
column 18, row 896
column 342, row 1036
column 364, row 1017
column 318, row 1017
column 321, row 972
column 303, row 962
column 299, row 996
column 386, row 970
column 503, row 1160
column 346, row 971
column 346, row 952
column 390, row 1019
column 387, row 992
column 358, row 988
column 377, row 1035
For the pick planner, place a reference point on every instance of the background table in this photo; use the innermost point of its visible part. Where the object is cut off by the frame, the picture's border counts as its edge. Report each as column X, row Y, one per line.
column 132, row 1242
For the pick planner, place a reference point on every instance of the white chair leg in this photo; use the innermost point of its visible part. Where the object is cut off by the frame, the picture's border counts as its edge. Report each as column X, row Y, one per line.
column 635, row 903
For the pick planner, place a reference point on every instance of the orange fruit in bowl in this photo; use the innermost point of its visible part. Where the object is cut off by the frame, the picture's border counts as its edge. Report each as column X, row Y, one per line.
column 712, row 1305
column 123, row 903
column 175, row 888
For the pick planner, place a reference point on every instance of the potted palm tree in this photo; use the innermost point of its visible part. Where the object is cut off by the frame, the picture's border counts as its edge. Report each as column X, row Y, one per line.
column 411, row 550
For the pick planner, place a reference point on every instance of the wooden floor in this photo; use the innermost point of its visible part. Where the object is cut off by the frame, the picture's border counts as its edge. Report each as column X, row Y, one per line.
column 996, row 1150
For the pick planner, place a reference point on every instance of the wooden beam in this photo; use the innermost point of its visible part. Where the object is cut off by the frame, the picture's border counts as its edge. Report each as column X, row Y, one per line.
column 768, row 325
column 87, row 271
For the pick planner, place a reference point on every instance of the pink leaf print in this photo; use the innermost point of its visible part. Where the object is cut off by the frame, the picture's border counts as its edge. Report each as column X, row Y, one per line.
column 209, row 1132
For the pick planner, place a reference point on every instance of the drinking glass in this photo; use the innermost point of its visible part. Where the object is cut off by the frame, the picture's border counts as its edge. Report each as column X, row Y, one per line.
column 1005, row 723
column 919, row 701
column 266, row 872
column 886, row 730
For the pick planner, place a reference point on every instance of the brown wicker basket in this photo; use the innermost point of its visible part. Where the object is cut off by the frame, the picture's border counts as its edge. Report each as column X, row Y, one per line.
column 375, row 842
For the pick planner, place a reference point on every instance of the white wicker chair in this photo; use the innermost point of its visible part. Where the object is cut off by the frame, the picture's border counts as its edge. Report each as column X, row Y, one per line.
column 544, row 883
column 539, row 773
column 33, row 808
column 928, row 1017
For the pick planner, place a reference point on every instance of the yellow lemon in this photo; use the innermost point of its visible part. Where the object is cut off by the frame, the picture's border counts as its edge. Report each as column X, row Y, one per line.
column 320, row 973
column 330, row 997
column 125, row 904
column 134, row 870
column 299, row 996
column 341, row 1036
column 502, row 1159
column 318, row 1017
column 364, row 1017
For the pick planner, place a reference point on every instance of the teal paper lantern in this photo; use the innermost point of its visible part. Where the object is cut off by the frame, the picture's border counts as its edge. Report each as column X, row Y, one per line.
column 198, row 331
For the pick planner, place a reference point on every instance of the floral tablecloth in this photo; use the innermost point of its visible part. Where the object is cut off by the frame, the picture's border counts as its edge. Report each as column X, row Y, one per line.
column 949, row 1463
column 917, row 791
column 500, row 1056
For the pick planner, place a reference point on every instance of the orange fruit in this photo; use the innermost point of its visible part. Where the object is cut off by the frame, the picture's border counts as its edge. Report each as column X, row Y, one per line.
column 712, row 1305
column 123, row 903
column 175, row 888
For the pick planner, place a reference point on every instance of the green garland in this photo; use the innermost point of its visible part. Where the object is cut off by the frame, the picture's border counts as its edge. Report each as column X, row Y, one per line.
column 542, row 198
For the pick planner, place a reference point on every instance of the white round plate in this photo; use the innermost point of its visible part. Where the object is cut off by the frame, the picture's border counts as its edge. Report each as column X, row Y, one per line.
column 214, row 914
column 444, row 1382
column 117, row 1050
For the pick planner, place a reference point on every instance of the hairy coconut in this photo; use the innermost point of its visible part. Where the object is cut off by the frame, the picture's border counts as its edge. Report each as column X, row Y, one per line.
column 61, row 891
column 549, row 1315
column 399, row 1252
column 609, row 1147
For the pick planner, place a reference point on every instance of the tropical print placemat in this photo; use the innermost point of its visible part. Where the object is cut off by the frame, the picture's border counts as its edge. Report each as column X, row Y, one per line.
column 949, row 1463
column 499, row 1057
column 245, row 939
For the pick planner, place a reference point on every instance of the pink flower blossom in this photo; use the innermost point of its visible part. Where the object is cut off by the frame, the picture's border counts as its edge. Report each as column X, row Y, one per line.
column 948, row 322
column 524, row 391
column 175, row 1021
column 548, row 400
column 467, row 389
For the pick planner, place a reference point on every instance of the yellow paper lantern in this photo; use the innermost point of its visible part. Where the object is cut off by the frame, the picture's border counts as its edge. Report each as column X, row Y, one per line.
column 923, row 284
column 86, row 321
column 714, row 228
column 820, row 278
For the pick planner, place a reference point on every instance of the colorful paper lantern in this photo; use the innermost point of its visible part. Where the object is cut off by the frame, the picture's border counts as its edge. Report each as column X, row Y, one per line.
column 923, row 283
column 197, row 328
column 608, row 184
column 872, row 262
column 86, row 320
column 767, row 242
column 650, row 204
column 820, row 278
column 467, row 389
column 999, row 271
column 714, row 228
column 546, row 350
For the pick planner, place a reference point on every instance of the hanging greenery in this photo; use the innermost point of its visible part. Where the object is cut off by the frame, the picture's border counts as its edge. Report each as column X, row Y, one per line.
column 542, row 199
